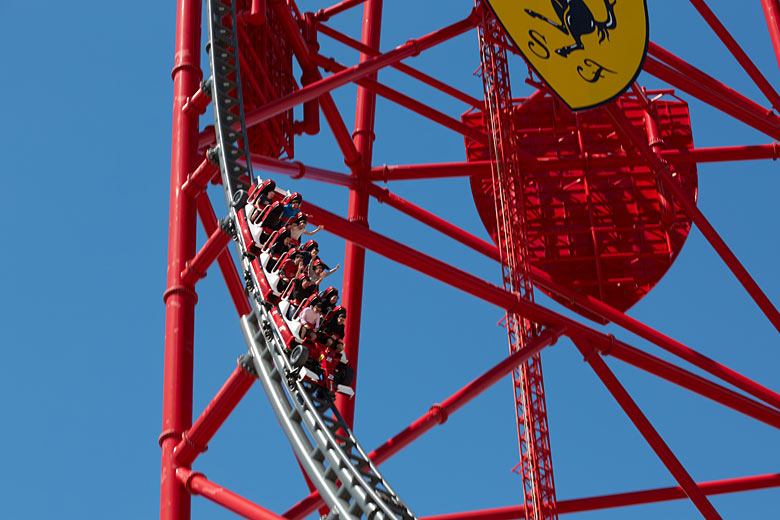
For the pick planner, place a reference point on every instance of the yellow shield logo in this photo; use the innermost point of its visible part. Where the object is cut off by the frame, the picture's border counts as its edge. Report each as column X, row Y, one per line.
column 587, row 51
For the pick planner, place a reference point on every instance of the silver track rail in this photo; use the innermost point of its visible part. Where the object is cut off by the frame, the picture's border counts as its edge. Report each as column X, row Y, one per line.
column 328, row 451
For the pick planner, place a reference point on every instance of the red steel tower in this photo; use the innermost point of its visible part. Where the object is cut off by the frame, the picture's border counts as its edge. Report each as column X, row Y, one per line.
column 591, row 208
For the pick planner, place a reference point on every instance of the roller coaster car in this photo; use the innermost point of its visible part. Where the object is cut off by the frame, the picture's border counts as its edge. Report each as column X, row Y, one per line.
column 252, row 247
column 267, row 282
column 315, row 362
column 266, row 188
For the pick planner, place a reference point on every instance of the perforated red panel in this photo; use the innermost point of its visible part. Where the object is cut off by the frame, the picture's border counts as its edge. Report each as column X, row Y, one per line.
column 266, row 74
column 596, row 231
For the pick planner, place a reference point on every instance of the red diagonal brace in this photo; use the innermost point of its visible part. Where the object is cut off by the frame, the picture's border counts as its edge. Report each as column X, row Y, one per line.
column 490, row 293
column 739, row 54
column 439, row 413
column 631, row 498
column 198, row 436
column 623, row 125
column 197, row 484
column 198, row 180
column 646, row 429
column 196, row 268
column 317, row 88
column 233, row 281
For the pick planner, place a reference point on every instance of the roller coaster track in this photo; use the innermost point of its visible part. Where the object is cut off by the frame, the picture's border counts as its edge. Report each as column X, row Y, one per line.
column 339, row 468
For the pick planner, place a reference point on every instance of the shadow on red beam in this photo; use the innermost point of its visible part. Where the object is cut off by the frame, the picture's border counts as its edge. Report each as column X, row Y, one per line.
column 650, row 496
column 594, row 162
column 197, row 484
column 298, row 170
column 439, row 413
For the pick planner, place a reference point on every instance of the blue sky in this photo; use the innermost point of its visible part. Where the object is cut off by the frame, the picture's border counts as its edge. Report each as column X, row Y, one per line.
column 86, row 152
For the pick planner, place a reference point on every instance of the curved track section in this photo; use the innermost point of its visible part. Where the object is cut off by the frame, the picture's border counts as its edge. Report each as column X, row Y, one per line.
column 347, row 480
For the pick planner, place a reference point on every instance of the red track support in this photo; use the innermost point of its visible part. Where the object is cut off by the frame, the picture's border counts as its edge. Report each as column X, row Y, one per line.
column 438, row 413
column 195, row 440
column 354, row 255
column 648, row 432
column 195, row 269
column 624, row 126
column 650, row 496
column 180, row 299
column 233, row 280
column 197, row 484
column 199, row 179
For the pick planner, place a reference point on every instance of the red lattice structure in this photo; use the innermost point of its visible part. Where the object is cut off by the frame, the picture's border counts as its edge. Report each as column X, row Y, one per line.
column 592, row 209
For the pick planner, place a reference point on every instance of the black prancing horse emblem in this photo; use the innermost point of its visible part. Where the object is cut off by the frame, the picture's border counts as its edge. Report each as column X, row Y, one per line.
column 576, row 20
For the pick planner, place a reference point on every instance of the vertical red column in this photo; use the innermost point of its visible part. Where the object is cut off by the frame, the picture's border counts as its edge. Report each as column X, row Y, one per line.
column 772, row 13
column 354, row 256
column 180, row 299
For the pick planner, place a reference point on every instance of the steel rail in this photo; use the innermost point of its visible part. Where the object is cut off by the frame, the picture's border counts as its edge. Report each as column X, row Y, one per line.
column 325, row 446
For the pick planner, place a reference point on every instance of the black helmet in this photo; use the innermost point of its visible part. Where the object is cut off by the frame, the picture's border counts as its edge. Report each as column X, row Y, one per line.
column 329, row 292
column 293, row 197
column 300, row 217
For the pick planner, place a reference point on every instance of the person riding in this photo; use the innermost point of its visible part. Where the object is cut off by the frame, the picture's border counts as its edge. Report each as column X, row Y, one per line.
column 291, row 204
column 330, row 297
column 279, row 244
column 297, row 226
column 331, row 332
column 318, row 271
column 290, row 266
column 259, row 199
column 310, row 319
column 299, row 290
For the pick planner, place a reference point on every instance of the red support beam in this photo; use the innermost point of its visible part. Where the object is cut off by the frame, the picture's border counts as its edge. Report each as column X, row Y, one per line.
column 772, row 14
column 704, row 91
column 647, row 430
column 196, row 268
column 330, row 65
column 632, row 498
column 680, row 350
column 406, row 69
column 623, row 125
column 324, row 15
column 298, row 170
column 497, row 296
column 438, row 413
column 233, row 281
column 197, row 484
column 384, row 196
column 195, row 440
column 739, row 54
column 704, row 80
column 363, row 69
column 197, row 104
column 407, row 172
column 198, row 180
column 354, row 255
column 179, row 298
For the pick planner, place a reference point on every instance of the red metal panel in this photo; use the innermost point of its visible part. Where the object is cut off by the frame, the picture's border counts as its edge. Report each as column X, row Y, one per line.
column 582, row 220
